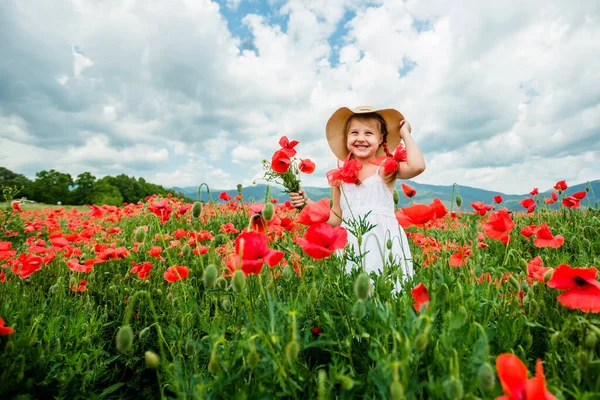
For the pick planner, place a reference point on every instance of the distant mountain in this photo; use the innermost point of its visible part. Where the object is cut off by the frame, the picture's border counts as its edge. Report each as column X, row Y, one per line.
column 425, row 194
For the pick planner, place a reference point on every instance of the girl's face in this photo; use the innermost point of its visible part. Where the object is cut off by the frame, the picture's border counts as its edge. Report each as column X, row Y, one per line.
column 363, row 138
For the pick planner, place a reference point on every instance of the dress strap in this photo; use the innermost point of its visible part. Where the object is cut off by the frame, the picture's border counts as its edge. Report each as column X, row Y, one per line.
column 377, row 170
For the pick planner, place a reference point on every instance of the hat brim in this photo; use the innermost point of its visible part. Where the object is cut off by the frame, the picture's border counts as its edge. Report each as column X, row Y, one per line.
column 336, row 137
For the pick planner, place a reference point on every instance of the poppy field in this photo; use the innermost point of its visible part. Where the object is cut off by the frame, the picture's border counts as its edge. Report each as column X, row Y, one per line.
column 231, row 299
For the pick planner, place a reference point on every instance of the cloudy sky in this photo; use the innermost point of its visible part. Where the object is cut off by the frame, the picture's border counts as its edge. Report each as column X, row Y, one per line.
column 501, row 95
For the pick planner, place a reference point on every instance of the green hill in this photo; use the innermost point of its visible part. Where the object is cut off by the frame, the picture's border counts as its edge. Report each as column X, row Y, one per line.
column 425, row 194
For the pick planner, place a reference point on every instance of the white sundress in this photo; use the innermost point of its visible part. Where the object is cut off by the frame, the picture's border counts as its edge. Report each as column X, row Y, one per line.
column 374, row 195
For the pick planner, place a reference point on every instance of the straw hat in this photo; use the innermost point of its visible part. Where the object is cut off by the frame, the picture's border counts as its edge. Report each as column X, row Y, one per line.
column 336, row 125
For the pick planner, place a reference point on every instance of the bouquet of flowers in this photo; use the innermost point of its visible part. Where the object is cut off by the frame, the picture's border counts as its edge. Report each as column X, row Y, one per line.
column 284, row 168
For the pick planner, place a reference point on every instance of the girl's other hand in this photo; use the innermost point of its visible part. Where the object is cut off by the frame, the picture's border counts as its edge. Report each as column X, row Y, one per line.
column 298, row 199
column 405, row 128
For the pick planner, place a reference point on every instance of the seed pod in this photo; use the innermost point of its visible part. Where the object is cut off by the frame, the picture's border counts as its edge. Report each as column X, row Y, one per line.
column 144, row 332
column 458, row 200
column 152, row 359
column 190, row 347
column 453, row 389
column 513, row 281
column 239, row 188
column 210, row 276
column 268, row 211
column 238, row 281
column 487, row 378
column 291, row 351
column 548, row 275
column 140, row 235
column 197, row 209
column 221, row 283
column 186, row 250
column 124, row 338
column 591, row 340
column 396, row 197
column 523, row 265
column 361, row 286
column 396, row 391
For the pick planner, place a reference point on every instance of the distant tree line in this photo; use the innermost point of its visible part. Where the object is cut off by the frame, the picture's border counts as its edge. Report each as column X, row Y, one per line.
column 52, row 186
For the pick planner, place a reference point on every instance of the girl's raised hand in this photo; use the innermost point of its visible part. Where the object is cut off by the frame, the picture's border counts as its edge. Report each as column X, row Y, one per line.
column 405, row 128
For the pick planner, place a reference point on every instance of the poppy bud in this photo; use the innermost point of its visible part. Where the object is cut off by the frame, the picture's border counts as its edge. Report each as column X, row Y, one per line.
column 238, row 281
column 321, row 384
column 239, row 188
column 361, row 286
column 458, row 200
column 453, row 388
column 124, row 338
column 190, row 347
column 358, row 311
column 487, row 378
column 396, row 197
column 548, row 275
column 587, row 188
column 288, row 272
column 186, row 250
column 144, row 332
column 524, row 286
column 513, row 281
column 582, row 359
column 221, row 283
column 9, row 347
column 291, row 351
column 152, row 359
column 226, row 304
column 389, row 244
column 220, row 239
column 253, row 358
column 197, row 209
column 591, row 340
column 396, row 391
column 390, row 257
column 140, row 235
column 268, row 211
column 421, row 341
column 210, row 276
column 213, row 365
column 347, row 382
column 523, row 265
column 555, row 337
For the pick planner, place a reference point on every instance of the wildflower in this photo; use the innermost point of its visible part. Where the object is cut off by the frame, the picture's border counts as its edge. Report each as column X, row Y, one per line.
column 176, row 273
column 561, row 185
column 553, row 199
column 306, row 166
column 280, row 162
column 582, row 288
column 320, row 240
column 408, row 191
column 513, row 377
column 314, row 213
column 225, row 196
column 5, row 330
column 498, row 199
column 480, row 207
column 529, row 204
column 499, row 225
column 546, row 239
column 420, row 297
column 254, row 253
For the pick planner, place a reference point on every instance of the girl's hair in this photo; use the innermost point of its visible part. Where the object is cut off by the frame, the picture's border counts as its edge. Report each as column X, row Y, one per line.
column 366, row 117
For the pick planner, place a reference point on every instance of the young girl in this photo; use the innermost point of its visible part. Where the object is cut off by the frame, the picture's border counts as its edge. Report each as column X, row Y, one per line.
column 365, row 134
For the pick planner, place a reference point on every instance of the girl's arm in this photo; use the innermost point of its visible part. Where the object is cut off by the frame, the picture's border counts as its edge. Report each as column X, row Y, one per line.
column 301, row 198
column 414, row 164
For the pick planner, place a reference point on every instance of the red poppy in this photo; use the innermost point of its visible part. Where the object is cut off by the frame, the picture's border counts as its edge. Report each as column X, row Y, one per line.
column 529, row 230
column 155, row 252
column 498, row 226
column 513, row 377
column 79, row 287
column 534, row 191
column 320, row 240
column 287, row 146
column 561, row 185
column 582, row 288
column 480, row 207
column 408, row 191
column 439, row 209
column 88, row 265
column 142, row 269
column 546, row 239
column 417, row 214
column 5, row 330
column 306, row 166
column 529, row 204
column 459, row 259
column 225, row 196
column 5, row 252
column 228, row 228
column 255, row 252
column 348, row 173
column 280, row 162
column 26, row 265
column 571, row 202
column 176, row 273
column 316, row 331
column 553, row 199
column 161, row 209
column 580, row 195
column 536, row 270
column 16, row 206
column 314, row 213
column 420, row 297
column 498, row 199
